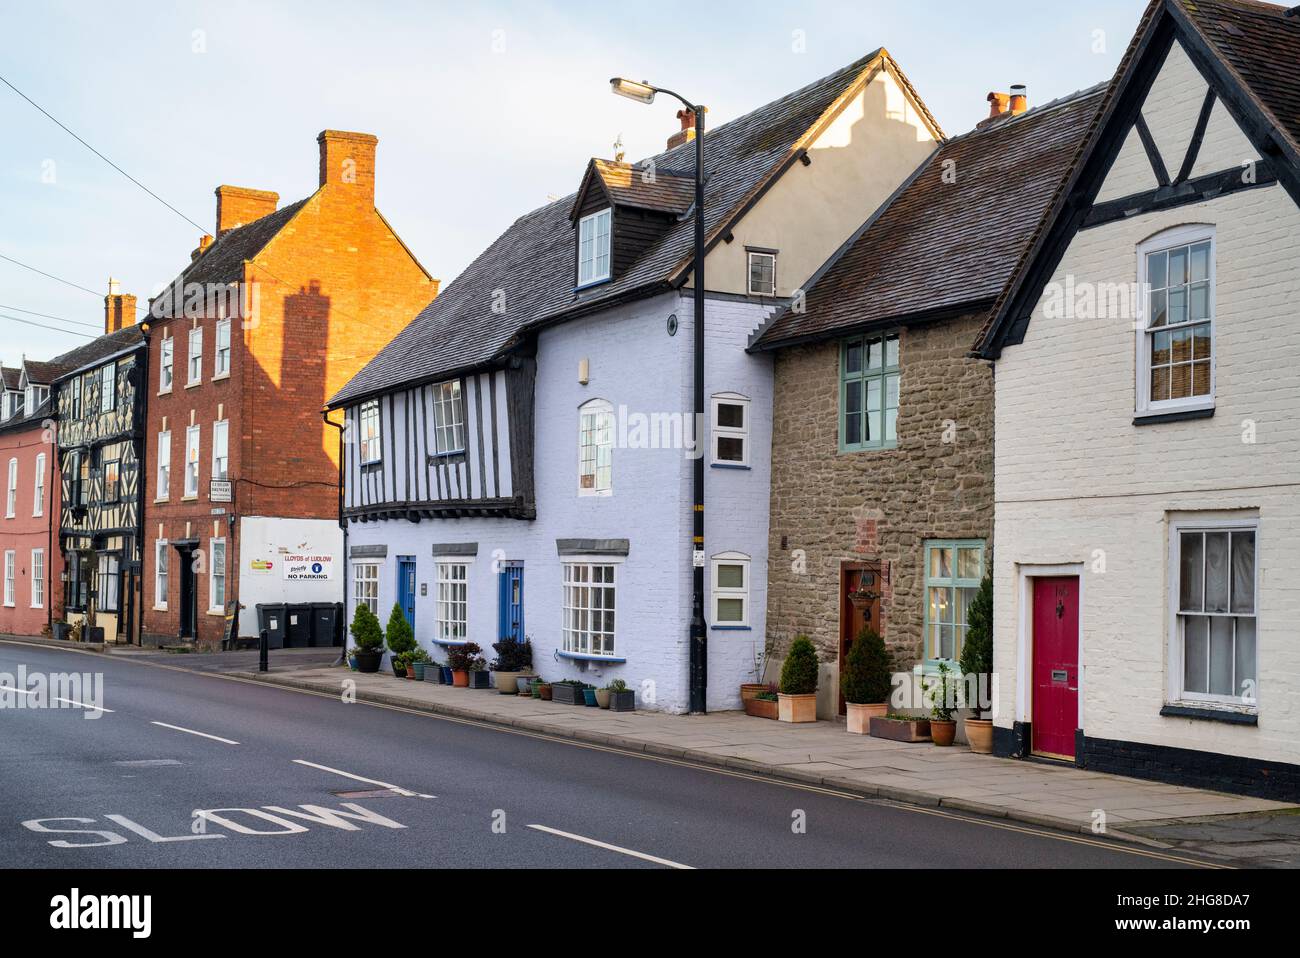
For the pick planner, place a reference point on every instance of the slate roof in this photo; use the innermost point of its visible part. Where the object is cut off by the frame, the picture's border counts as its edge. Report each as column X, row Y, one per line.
column 940, row 247
column 95, row 351
column 28, row 419
column 42, row 374
column 626, row 185
column 529, row 270
column 12, row 376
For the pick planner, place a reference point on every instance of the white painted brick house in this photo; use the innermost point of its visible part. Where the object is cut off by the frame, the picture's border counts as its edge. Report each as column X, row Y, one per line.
column 1146, row 460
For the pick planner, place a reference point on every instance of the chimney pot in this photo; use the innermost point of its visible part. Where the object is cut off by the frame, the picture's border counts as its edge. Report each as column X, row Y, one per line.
column 238, row 206
column 1019, row 99
column 347, row 163
column 119, row 308
column 114, row 287
column 999, row 103
column 687, row 133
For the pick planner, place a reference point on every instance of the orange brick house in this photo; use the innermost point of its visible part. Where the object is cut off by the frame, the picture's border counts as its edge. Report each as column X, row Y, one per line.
column 269, row 319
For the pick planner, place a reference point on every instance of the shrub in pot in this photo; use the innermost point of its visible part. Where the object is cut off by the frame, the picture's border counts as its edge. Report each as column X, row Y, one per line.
column 352, row 659
column 545, row 691
column 369, row 637
column 765, row 704
column 943, row 699
column 400, row 664
column 433, row 672
column 479, row 676
column 417, row 661
column 461, row 659
column 524, row 683
column 514, row 659
column 798, row 695
column 399, row 636
column 621, row 698
column 901, row 728
column 568, row 692
column 977, row 667
column 866, row 681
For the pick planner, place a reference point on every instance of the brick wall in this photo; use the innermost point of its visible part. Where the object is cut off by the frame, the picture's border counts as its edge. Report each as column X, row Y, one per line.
column 23, row 532
column 875, row 505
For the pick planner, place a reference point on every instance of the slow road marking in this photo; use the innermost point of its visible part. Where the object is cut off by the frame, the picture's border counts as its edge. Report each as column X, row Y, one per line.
column 360, row 778
column 190, row 731
column 612, row 848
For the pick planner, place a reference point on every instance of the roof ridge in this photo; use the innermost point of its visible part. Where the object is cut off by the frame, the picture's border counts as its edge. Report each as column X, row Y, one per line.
column 1061, row 101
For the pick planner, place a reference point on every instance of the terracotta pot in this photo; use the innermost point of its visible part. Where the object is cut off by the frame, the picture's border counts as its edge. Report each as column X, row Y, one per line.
column 943, row 732
column 761, row 708
column 460, row 678
column 860, row 717
column 797, row 709
column 979, row 732
column 893, row 730
column 545, row 692
column 751, row 690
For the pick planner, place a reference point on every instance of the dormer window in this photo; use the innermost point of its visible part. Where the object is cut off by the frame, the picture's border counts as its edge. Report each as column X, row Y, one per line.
column 594, row 248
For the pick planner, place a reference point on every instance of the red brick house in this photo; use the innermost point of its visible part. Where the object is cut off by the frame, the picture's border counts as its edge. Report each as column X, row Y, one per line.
column 269, row 319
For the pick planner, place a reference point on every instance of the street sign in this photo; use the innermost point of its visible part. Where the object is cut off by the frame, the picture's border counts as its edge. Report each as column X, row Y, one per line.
column 220, row 490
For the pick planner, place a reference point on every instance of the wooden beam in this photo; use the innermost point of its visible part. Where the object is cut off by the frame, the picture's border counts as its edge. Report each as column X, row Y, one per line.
column 1199, row 190
column 1198, row 136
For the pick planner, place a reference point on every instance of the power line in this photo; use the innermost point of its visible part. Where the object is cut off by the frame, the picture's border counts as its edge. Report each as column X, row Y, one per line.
column 101, row 155
column 28, row 322
column 62, row 319
column 57, row 279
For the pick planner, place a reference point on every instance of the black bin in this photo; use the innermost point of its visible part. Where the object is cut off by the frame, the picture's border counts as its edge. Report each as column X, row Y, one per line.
column 327, row 625
column 271, row 618
column 298, row 630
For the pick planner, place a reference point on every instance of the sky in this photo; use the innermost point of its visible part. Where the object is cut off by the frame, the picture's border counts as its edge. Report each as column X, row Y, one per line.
column 484, row 111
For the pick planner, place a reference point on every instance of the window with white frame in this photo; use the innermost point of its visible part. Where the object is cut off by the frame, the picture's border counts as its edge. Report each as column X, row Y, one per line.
column 368, row 426
column 596, row 448
column 11, row 491
column 953, row 573
column 221, row 364
column 1176, row 347
column 594, row 247
column 217, row 576
column 164, row 464
column 730, row 580
column 1215, row 586
column 112, row 476
column 38, row 578
column 108, row 387
column 160, row 571
column 221, row 449
column 195, row 356
column 448, row 419
column 365, row 585
column 453, row 601
column 38, row 490
column 589, row 600
column 762, row 273
column 74, row 396
column 167, row 361
column 730, row 430
column 109, row 583
column 192, row 462
column 10, row 572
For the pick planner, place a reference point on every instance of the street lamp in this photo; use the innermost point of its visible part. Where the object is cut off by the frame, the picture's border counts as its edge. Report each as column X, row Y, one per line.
column 699, row 670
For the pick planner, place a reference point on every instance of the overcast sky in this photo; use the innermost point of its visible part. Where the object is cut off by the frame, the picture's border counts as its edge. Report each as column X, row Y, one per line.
column 483, row 110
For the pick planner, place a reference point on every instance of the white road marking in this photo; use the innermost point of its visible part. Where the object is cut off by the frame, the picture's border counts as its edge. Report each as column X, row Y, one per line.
column 613, row 848
column 190, row 731
column 357, row 778
column 93, row 708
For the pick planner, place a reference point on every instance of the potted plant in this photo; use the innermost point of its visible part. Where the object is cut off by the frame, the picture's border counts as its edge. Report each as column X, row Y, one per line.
column 352, row 659
column 943, row 698
column 61, row 630
column 866, row 681
column 369, row 637
column 589, row 696
column 417, row 661
column 752, row 690
column 765, row 704
column 400, row 663
column 568, row 692
column 798, row 695
column 433, row 672
column 479, row 676
column 525, row 684
column 977, row 667
column 448, row 677
column 535, row 687
column 514, row 659
column 545, row 690
column 621, row 698
column 901, row 728
column 602, row 697
column 400, row 638
column 460, row 659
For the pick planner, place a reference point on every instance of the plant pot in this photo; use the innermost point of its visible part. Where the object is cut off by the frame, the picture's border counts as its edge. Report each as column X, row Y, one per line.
column 447, row 676
column 535, row 688
column 797, row 709
column 901, row 730
column 979, row 732
column 433, row 673
column 567, row 694
column 860, row 717
column 480, row 680
column 943, row 731
column 751, row 690
column 544, row 691
column 419, row 668
column 460, row 678
column 61, row 630
column 624, row 701
column 589, row 698
column 602, row 698
column 352, row 662
column 95, row 635
column 525, row 684
column 368, row 661
column 507, row 683
column 762, row 708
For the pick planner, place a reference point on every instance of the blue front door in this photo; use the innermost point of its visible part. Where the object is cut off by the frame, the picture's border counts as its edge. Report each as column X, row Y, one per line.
column 406, row 587
column 512, row 602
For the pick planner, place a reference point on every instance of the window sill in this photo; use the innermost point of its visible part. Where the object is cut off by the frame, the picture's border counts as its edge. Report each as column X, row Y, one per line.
column 854, row 451
column 189, row 498
column 590, row 494
column 219, row 377
column 583, row 657
column 220, row 612
column 731, row 628
column 592, row 284
column 1203, row 714
column 734, row 466
column 440, row 457
column 161, row 502
column 160, row 608
column 164, row 392
column 1180, row 415
column 450, row 643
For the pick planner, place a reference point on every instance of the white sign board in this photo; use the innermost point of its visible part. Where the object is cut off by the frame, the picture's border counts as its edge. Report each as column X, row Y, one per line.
column 308, row 568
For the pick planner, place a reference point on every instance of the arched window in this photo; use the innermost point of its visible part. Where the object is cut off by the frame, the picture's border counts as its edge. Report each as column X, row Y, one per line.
column 595, row 448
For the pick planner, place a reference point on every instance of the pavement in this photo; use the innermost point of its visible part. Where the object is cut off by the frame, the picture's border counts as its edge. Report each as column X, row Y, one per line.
column 176, row 767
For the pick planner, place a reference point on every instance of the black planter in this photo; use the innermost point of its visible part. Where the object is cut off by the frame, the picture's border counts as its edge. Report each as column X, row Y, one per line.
column 399, row 671
column 480, row 680
column 622, row 701
column 369, row 661
column 567, row 694
column 61, row 630
column 95, row 635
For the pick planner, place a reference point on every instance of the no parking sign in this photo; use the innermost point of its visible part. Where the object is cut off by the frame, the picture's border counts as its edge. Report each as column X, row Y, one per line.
column 308, row 568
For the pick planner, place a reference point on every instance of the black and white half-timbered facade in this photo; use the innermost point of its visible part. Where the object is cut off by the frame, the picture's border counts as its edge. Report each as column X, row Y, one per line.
column 99, row 400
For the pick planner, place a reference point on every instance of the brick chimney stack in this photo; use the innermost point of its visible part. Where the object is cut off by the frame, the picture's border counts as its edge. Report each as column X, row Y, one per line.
column 119, row 308
column 238, row 206
column 687, row 133
column 347, row 163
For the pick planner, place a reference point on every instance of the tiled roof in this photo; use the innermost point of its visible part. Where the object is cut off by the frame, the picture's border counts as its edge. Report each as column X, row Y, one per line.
column 12, row 376
column 95, row 351
column 29, row 418
column 42, row 374
column 643, row 189
column 950, row 238
column 1261, row 44
column 527, row 273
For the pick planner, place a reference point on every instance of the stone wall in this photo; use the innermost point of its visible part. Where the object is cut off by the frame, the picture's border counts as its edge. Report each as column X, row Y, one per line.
column 828, row 508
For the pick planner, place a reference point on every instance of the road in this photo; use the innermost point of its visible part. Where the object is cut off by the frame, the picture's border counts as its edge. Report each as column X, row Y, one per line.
column 148, row 779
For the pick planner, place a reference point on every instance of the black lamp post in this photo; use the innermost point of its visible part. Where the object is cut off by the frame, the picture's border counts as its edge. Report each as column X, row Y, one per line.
column 699, row 674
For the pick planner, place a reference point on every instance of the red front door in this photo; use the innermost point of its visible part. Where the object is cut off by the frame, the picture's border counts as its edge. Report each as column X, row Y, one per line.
column 1056, row 666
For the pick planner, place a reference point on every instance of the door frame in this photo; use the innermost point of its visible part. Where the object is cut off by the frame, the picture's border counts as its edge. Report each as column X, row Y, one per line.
column 1026, row 573
column 402, row 563
column 876, row 566
column 504, row 573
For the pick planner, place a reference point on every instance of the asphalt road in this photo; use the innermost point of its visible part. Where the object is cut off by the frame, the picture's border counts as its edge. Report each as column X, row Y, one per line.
column 149, row 793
